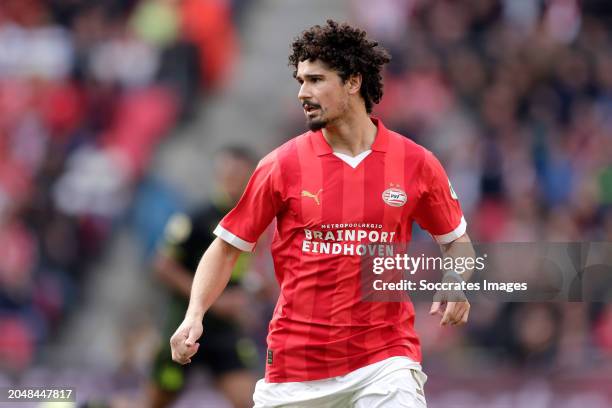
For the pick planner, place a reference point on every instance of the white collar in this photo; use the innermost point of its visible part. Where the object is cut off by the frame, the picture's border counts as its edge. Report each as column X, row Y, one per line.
column 353, row 161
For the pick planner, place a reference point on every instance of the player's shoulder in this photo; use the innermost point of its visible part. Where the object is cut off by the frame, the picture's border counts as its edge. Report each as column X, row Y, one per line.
column 410, row 147
column 285, row 152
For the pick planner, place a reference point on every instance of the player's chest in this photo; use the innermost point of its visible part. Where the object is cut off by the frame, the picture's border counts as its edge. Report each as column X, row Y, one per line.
column 356, row 197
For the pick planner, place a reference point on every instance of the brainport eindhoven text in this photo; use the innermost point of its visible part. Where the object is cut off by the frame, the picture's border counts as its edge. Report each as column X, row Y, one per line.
column 349, row 241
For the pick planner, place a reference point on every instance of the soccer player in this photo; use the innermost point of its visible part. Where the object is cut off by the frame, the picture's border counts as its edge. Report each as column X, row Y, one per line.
column 347, row 182
column 227, row 352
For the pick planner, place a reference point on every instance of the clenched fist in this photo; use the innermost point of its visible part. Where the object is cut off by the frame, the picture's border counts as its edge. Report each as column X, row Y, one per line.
column 184, row 340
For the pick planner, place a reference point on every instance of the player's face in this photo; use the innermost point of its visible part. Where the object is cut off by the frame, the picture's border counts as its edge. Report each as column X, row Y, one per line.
column 323, row 94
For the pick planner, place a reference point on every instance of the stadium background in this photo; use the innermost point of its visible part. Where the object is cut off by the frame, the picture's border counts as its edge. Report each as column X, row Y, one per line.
column 111, row 111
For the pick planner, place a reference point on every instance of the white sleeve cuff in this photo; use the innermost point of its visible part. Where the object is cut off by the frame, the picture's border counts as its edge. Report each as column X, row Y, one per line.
column 453, row 235
column 233, row 239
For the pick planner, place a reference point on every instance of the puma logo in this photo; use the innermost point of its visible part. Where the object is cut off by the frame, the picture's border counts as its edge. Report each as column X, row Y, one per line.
column 306, row 193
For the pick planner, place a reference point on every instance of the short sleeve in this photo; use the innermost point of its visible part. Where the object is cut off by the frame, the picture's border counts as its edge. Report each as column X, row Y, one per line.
column 259, row 204
column 438, row 210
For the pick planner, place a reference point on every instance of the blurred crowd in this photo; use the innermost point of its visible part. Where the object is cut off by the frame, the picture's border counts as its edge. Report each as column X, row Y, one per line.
column 87, row 92
column 515, row 98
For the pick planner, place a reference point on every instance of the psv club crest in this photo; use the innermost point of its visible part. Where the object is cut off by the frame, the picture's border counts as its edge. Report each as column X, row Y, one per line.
column 394, row 196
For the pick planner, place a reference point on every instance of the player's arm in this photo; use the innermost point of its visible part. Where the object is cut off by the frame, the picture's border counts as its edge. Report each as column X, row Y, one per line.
column 454, row 311
column 440, row 214
column 211, row 277
column 176, row 277
column 179, row 279
column 460, row 248
column 238, row 231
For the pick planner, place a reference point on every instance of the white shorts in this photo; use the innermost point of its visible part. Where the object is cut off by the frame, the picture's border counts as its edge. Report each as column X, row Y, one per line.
column 394, row 382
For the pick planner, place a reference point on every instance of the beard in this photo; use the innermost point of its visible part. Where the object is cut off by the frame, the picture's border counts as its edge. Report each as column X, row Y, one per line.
column 315, row 124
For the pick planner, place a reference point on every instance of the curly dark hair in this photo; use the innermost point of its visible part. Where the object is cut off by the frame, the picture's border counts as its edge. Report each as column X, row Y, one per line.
column 348, row 51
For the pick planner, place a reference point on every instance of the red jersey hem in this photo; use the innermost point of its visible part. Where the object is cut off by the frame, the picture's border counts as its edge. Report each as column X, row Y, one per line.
column 397, row 351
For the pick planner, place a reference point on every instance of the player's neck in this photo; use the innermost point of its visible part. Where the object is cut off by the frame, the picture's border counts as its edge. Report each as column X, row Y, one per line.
column 352, row 135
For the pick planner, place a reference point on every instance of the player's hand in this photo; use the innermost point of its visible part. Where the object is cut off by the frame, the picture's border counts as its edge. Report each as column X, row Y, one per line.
column 184, row 340
column 454, row 311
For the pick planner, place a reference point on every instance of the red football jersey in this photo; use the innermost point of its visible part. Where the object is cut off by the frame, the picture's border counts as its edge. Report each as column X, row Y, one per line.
column 327, row 211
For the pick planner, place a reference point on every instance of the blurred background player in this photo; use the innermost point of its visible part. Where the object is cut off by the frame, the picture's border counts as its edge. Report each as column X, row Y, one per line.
column 227, row 352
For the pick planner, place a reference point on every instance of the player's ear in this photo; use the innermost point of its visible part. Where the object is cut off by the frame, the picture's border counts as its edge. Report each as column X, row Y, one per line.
column 354, row 83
